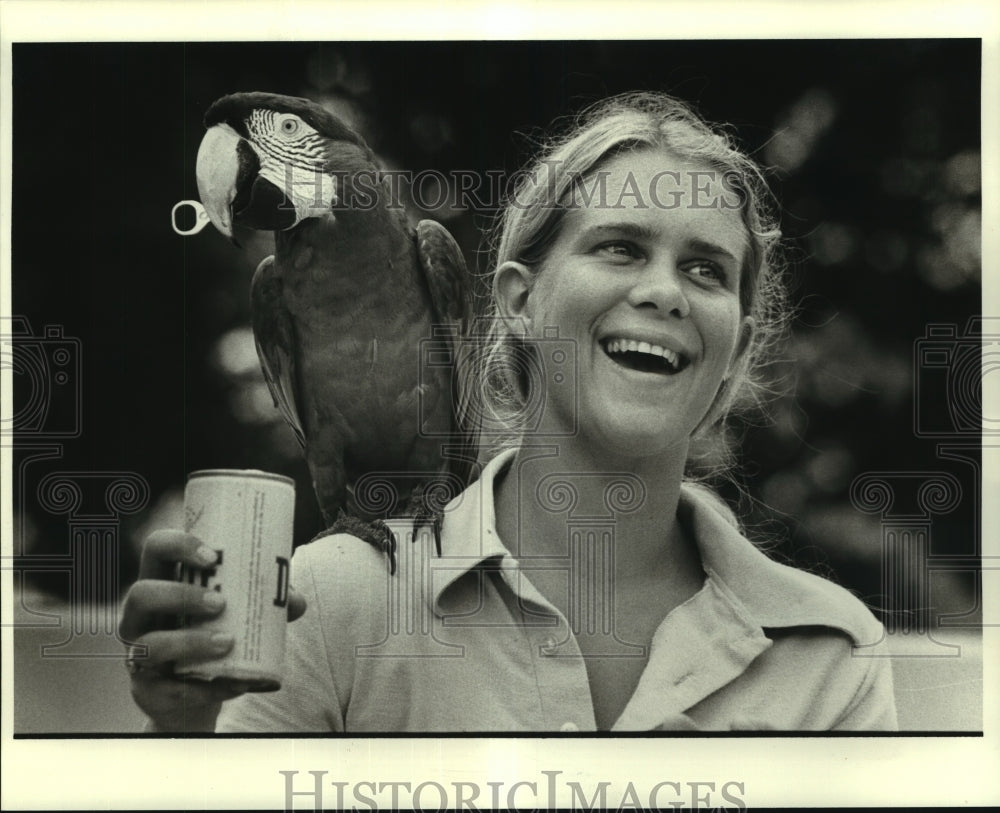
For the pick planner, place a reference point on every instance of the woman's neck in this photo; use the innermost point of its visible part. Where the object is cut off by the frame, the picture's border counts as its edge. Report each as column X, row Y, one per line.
column 550, row 491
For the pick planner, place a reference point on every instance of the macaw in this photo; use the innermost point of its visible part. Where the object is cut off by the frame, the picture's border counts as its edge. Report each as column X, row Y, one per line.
column 347, row 311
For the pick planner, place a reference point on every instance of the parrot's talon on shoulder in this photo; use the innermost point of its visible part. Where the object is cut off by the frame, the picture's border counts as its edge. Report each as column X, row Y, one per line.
column 389, row 542
column 436, row 524
column 375, row 533
column 425, row 518
column 383, row 539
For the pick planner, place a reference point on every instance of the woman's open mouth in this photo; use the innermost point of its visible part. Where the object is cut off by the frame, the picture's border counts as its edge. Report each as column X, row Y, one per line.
column 643, row 356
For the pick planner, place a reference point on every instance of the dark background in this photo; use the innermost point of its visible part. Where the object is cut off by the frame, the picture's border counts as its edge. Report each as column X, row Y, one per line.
column 873, row 147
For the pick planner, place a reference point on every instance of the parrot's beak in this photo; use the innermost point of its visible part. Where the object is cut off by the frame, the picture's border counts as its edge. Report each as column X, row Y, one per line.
column 217, row 171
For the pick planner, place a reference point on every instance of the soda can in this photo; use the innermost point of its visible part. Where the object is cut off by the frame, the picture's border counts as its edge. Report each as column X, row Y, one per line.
column 246, row 516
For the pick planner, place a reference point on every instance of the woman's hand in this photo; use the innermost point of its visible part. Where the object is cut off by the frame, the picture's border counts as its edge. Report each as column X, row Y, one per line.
column 149, row 619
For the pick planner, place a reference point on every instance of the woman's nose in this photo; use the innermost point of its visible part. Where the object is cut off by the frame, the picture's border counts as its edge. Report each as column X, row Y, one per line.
column 661, row 286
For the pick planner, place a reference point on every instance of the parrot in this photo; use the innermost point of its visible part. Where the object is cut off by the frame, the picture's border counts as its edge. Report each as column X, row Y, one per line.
column 340, row 310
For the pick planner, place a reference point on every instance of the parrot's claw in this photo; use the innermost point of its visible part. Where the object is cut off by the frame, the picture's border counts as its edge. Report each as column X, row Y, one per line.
column 424, row 519
column 376, row 533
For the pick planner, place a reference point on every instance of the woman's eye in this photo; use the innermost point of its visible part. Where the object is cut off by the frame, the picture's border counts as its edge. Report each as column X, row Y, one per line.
column 709, row 272
column 619, row 250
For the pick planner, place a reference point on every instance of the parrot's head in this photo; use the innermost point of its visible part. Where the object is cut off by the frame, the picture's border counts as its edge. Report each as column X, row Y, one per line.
column 266, row 161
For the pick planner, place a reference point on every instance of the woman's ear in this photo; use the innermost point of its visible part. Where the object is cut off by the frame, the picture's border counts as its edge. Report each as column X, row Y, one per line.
column 511, row 287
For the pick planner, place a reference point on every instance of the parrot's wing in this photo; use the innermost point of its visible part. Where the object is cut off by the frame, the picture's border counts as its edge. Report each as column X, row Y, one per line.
column 274, row 336
column 451, row 295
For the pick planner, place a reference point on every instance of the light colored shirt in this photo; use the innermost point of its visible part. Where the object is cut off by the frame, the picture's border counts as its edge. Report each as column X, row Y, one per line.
column 464, row 642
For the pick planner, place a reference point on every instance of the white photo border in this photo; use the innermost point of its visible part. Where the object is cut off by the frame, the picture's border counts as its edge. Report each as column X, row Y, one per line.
column 227, row 773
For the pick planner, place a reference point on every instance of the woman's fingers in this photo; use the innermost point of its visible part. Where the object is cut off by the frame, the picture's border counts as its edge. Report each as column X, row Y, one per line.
column 181, row 705
column 160, row 649
column 174, row 702
column 153, row 611
column 166, row 547
column 148, row 600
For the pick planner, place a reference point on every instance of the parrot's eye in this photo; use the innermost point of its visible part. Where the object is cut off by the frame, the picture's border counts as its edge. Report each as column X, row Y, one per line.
column 289, row 125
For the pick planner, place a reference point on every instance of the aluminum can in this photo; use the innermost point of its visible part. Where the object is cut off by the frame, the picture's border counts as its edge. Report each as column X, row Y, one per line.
column 246, row 516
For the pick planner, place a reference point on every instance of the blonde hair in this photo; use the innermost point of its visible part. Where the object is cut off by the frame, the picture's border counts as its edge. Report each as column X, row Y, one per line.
column 530, row 222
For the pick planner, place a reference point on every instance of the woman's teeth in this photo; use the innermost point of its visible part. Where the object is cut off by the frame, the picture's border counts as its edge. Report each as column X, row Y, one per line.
column 668, row 359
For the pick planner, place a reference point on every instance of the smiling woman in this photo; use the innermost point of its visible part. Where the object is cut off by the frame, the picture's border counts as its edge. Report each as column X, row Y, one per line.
column 582, row 583
column 633, row 276
column 677, row 173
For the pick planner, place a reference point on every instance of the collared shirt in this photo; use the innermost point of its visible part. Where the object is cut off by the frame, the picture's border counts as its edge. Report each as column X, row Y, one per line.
column 464, row 642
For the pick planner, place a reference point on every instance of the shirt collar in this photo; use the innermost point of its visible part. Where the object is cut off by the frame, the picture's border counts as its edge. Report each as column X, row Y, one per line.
column 769, row 594
column 773, row 594
column 468, row 534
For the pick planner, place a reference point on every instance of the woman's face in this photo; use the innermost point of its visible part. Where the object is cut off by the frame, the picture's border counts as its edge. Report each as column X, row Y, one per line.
column 644, row 279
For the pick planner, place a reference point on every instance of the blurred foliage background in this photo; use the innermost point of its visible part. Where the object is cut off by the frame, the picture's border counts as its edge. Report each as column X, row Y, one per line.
column 874, row 153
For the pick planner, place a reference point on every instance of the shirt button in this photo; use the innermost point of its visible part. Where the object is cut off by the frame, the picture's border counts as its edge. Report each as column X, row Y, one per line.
column 548, row 646
column 569, row 727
